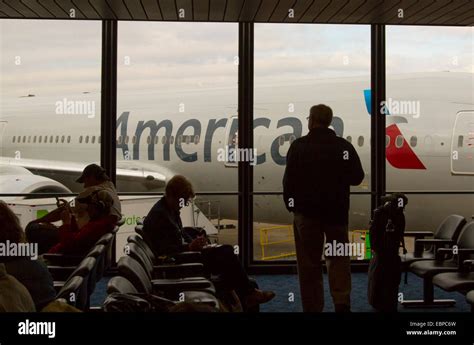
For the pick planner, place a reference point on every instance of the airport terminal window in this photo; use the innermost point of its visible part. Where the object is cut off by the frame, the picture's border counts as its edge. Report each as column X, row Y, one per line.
column 177, row 83
column 291, row 74
column 44, row 76
column 429, row 82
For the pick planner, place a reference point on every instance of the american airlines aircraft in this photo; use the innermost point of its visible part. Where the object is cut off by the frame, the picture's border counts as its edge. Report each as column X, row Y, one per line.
column 46, row 142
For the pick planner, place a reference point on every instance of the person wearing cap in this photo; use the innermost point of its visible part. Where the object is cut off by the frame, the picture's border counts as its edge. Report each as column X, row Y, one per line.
column 93, row 178
column 78, row 241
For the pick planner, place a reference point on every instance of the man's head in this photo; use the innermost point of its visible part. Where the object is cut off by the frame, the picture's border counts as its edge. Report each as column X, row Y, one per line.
column 98, row 203
column 179, row 191
column 92, row 175
column 320, row 116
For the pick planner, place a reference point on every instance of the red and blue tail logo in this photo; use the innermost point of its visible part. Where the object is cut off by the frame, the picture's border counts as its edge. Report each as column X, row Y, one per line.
column 402, row 157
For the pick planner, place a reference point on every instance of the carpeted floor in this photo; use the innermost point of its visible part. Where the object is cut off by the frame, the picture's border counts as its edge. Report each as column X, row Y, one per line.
column 288, row 296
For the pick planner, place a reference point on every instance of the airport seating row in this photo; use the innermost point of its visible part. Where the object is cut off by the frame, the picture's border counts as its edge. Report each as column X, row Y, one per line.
column 140, row 272
column 448, row 262
column 75, row 277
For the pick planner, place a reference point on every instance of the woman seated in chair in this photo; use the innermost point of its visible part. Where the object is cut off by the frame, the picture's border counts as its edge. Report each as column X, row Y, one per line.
column 75, row 241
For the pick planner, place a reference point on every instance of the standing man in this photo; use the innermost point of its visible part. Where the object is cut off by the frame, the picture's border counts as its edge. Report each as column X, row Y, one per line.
column 320, row 169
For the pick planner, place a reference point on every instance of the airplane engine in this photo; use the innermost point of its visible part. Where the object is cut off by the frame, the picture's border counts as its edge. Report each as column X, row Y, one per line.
column 18, row 180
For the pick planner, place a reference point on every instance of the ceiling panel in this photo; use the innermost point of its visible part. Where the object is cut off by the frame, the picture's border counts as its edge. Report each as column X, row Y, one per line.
column 36, row 7
column 184, row 10
column 87, row 9
column 168, row 9
column 314, row 10
column 135, row 8
column 22, row 9
column 70, row 10
column 232, row 11
column 217, row 10
column 201, row 10
column 415, row 12
column 299, row 9
column 250, row 9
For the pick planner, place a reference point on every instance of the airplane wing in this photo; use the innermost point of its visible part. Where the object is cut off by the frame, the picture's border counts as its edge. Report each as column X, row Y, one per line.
column 143, row 176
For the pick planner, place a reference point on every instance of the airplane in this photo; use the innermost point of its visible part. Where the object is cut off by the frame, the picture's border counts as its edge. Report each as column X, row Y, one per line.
column 46, row 141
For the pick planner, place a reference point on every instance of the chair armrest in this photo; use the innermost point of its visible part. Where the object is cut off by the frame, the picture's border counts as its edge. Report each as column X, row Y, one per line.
column 188, row 257
column 436, row 242
column 468, row 265
column 441, row 253
column 61, row 272
column 418, row 234
column 56, row 259
column 179, row 271
column 170, row 288
column 463, row 253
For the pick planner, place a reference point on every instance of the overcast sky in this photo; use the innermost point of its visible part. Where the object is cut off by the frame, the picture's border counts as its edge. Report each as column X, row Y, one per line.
column 60, row 58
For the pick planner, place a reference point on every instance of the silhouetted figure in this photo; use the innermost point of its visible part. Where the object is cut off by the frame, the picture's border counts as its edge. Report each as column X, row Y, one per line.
column 93, row 178
column 163, row 231
column 320, row 169
column 27, row 268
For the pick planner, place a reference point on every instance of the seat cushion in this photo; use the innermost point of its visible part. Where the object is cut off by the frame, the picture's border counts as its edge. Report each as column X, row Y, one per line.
column 455, row 281
column 409, row 258
column 429, row 268
column 470, row 297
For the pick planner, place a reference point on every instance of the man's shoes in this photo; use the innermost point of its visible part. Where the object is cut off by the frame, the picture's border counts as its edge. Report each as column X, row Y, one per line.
column 257, row 297
column 342, row 308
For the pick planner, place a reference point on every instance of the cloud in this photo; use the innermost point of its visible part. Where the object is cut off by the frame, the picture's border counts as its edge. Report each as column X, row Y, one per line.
column 64, row 57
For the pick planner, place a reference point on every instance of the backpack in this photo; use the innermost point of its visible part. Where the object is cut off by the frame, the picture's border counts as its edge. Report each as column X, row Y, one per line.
column 387, row 229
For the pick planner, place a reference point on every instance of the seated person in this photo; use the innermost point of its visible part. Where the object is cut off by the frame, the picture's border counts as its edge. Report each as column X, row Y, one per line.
column 43, row 232
column 162, row 230
column 29, row 271
column 75, row 241
column 14, row 297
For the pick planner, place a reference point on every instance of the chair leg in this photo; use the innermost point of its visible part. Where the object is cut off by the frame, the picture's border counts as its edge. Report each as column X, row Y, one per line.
column 428, row 298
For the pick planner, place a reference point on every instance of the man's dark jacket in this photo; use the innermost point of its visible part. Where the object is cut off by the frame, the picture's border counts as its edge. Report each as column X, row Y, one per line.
column 320, row 168
column 162, row 230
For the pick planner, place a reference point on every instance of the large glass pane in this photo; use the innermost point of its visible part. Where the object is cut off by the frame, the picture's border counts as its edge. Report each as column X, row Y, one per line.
column 430, row 119
column 177, row 103
column 50, row 104
column 296, row 67
column 274, row 240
